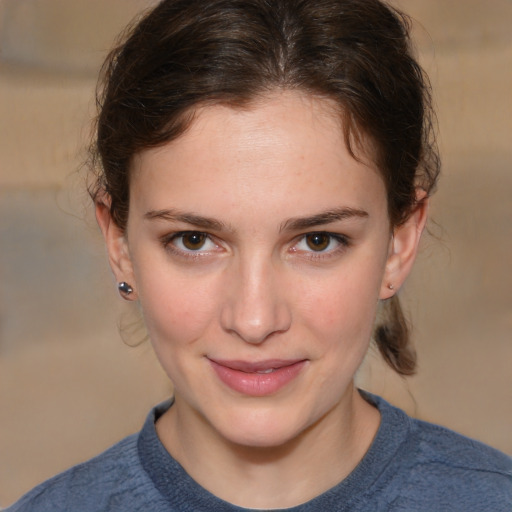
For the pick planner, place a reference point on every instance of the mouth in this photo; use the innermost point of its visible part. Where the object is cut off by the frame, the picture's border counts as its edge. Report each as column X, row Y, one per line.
column 260, row 378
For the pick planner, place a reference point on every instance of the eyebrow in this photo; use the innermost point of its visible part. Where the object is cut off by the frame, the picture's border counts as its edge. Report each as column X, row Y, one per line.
column 326, row 217
column 293, row 224
column 188, row 218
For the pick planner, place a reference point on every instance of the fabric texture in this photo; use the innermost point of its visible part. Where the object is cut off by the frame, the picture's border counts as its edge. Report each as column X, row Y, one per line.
column 411, row 466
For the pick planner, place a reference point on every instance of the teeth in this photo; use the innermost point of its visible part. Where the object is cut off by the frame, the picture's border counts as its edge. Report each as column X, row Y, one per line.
column 270, row 370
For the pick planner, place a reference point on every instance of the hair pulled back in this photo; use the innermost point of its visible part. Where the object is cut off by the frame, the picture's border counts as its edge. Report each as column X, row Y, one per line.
column 188, row 53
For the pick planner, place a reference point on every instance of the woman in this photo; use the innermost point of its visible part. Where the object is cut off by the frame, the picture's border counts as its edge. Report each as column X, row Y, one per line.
column 264, row 175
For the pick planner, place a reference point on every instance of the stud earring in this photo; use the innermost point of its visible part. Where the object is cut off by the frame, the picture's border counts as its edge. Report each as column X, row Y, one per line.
column 124, row 289
column 390, row 286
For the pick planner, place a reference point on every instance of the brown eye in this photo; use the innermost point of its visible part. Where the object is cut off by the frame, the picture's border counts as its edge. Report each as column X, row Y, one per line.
column 194, row 240
column 318, row 241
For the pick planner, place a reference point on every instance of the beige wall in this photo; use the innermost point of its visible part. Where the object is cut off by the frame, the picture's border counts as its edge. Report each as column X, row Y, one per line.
column 69, row 387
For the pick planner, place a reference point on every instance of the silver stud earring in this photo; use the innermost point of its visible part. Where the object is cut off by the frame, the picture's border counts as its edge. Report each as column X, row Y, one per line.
column 390, row 286
column 124, row 289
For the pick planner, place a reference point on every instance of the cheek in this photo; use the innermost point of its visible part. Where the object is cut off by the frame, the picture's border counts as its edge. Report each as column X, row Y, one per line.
column 177, row 310
column 344, row 304
column 341, row 322
column 177, row 315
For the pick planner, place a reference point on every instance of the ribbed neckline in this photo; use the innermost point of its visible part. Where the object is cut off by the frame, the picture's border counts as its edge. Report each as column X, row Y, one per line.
column 183, row 493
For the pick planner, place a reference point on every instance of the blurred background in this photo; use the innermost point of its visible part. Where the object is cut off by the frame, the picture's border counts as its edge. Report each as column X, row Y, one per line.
column 70, row 386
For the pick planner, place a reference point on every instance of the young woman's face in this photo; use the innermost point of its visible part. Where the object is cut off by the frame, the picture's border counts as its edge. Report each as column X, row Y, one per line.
column 258, row 247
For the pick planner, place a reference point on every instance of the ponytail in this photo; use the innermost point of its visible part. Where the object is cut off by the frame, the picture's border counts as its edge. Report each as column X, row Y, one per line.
column 392, row 338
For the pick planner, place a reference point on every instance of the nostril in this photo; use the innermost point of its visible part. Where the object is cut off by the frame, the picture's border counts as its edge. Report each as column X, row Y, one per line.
column 255, row 325
column 255, row 306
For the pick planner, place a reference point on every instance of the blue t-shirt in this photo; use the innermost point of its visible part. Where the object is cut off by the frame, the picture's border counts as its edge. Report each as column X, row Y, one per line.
column 410, row 466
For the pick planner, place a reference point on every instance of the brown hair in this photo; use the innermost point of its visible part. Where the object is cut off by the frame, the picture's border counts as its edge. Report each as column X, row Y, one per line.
column 186, row 53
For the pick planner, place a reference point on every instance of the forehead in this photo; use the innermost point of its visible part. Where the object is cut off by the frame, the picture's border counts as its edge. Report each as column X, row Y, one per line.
column 288, row 143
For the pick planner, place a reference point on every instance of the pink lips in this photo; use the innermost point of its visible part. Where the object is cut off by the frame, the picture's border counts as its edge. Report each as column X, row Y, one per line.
column 259, row 378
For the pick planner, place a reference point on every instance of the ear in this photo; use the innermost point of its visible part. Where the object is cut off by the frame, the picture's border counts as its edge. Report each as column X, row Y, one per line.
column 117, row 246
column 403, row 247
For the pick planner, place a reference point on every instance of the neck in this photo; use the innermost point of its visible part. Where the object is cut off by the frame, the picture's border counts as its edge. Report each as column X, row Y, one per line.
column 273, row 477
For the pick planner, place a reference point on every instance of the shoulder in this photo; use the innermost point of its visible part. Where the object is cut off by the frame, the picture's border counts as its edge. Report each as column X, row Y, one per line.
column 114, row 480
column 439, row 445
column 444, row 470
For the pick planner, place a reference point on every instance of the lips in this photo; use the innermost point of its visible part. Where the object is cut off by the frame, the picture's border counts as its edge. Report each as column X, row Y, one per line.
column 257, row 378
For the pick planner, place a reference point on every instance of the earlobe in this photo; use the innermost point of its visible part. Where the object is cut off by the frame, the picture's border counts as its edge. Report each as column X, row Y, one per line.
column 403, row 248
column 115, row 241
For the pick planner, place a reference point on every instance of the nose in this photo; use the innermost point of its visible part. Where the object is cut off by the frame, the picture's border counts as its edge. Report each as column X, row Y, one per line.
column 255, row 307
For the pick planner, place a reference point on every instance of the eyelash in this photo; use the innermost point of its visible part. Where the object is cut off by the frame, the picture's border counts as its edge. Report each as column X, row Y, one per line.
column 342, row 241
column 168, row 244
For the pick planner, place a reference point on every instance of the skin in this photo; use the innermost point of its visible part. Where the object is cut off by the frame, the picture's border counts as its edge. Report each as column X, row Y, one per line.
column 258, row 182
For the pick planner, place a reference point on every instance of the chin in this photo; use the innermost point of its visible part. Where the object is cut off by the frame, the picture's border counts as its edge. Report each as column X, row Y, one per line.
column 261, row 428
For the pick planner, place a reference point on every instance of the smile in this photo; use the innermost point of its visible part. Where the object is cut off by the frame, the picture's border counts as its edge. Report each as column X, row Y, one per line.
column 257, row 378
